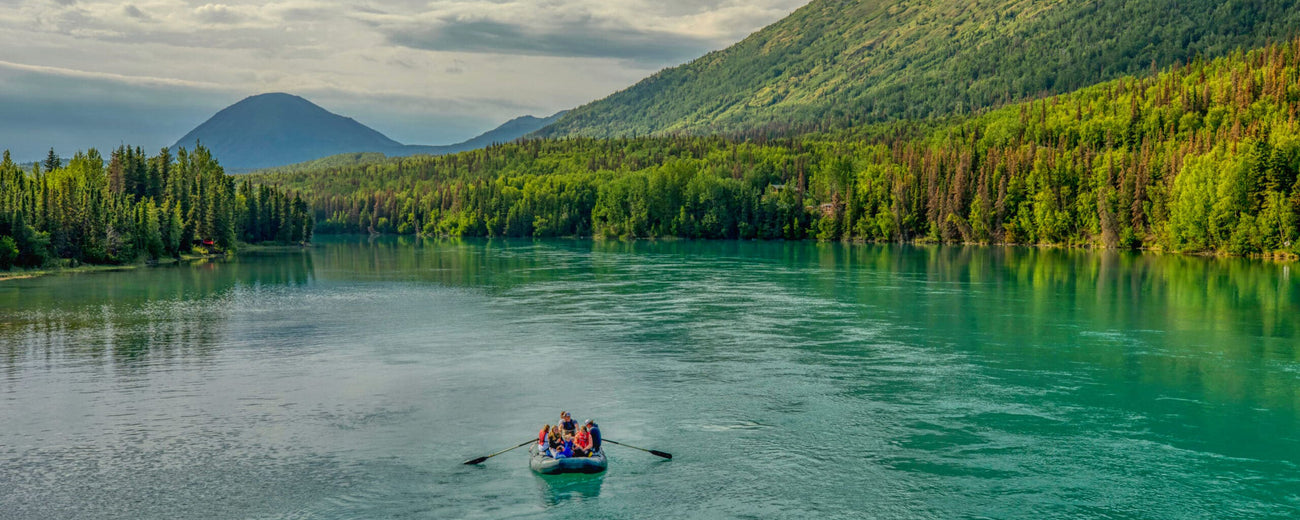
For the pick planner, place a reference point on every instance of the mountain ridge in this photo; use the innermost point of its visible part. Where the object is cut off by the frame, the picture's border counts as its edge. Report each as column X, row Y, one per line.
column 1201, row 157
column 278, row 129
column 838, row 63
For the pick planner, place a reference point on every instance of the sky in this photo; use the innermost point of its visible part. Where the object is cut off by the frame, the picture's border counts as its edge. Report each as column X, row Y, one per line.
column 76, row 74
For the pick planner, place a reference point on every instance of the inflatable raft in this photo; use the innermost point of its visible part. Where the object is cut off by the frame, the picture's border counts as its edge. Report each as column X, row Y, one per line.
column 546, row 465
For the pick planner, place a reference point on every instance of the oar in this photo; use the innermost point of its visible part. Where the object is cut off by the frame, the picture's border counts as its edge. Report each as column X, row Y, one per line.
column 656, row 453
column 480, row 460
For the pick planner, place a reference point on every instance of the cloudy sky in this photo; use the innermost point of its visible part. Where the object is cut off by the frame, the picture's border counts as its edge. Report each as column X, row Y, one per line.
column 81, row 73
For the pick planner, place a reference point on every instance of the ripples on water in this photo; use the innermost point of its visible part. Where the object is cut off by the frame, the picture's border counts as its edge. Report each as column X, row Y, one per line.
column 790, row 380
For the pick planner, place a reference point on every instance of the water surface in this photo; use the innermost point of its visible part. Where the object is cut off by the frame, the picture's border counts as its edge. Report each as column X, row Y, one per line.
column 788, row 379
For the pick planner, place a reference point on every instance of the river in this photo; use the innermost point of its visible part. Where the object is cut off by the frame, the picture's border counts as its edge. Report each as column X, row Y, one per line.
column 789, row 380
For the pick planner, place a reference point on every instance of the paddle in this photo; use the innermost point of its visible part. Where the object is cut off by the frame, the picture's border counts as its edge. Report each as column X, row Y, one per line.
column 656, row 453
column 480, row 460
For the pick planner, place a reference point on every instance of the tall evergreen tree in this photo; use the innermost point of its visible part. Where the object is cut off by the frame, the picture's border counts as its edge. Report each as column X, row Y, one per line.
column 52, row 161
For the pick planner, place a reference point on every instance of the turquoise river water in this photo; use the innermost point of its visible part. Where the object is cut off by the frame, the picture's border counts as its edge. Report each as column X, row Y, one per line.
column 790, row 380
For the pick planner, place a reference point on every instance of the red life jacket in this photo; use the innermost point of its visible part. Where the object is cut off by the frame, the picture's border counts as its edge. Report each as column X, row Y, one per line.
column 541, row 436
column 583, row 440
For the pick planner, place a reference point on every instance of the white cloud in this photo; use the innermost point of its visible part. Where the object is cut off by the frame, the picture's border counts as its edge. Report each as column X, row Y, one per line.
column 122, row 78
column 218, row 13
column 424, row 71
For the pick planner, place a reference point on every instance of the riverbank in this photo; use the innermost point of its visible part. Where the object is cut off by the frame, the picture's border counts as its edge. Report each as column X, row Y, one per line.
column 1282, row 256
column 35, row 273
column 271, row 248
column 86, row 268
column 23, row 274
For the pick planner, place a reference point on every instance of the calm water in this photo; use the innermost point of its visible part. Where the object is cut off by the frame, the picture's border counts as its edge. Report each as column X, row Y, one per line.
column 790, row 380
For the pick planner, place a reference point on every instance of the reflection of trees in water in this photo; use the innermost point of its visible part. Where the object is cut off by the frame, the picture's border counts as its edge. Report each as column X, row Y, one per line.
column 1114, row 289
column 136, row 318
column 1170, row 317
column 1169, row 320
column 1203, row 345
column 491, row 265
column 495, row 265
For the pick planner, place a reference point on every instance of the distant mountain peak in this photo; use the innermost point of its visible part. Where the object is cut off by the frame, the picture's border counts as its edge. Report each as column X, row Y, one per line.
column 276, row 96
column 278, row 129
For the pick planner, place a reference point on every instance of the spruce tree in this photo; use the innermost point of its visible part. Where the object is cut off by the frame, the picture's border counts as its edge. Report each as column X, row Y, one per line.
column 52, row 161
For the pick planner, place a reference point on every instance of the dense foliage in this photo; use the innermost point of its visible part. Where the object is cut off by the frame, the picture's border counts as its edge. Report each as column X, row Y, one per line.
column 1200, row 157
column 835, row 63
column 136, row 206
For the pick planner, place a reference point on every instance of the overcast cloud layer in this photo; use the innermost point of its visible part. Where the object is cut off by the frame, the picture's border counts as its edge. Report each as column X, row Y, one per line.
column 76, row 74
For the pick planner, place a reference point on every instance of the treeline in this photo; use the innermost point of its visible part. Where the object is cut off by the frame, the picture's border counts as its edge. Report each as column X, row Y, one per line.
column 136, row 206
column 1198, row 157
column 569, row 187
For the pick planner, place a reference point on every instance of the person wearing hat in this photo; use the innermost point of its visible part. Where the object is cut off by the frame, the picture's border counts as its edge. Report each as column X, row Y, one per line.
column 567, row 423
column 595, row 435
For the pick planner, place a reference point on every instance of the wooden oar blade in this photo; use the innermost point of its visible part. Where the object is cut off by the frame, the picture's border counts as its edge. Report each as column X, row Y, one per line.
column 472, row 462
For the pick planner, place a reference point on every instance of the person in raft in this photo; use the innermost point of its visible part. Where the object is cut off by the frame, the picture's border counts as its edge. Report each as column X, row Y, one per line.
column 543, row 435
column 558, row 442
column 567, row 423
column 591, row 428
column 565, row 448
column 552, row 442
column 555, row 439
column 582, row 443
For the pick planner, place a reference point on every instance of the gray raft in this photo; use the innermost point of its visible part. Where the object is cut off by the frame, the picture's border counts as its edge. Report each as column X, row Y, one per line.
column 546, row 465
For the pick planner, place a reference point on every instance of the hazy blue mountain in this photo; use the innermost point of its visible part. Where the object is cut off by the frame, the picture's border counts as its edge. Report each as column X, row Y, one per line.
column 507, row 132
column 277, row 129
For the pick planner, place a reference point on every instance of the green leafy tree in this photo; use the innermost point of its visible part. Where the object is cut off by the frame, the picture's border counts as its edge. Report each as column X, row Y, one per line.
column 8, row 252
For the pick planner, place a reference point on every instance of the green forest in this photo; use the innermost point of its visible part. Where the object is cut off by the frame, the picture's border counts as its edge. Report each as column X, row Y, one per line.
column 135, row 207
column 840, row 63
column 1201, row 157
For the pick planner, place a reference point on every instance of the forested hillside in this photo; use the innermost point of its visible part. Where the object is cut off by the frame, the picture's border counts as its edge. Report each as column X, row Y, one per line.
column 136, row 206
column 836, row 63
column 1201, row 157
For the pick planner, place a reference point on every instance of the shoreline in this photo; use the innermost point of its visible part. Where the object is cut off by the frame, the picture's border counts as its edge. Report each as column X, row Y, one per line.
column 1273, row 256
column 1279, row 257
column 46, row 271
column 6, row 276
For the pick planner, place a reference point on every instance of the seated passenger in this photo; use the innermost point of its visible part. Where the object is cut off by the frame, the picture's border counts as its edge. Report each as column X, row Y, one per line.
column 564, row 450
column 541, row 435
column 553, row 439
column 595, row 434
column 568, row 446
column 567, row 423
column 582, row 443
